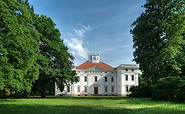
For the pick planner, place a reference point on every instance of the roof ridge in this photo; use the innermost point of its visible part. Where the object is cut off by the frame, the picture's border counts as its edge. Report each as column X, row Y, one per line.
column 87, row 65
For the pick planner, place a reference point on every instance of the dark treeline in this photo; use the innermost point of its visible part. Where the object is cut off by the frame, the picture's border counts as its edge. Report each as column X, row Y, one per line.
column 159, row 44
column 32, row 55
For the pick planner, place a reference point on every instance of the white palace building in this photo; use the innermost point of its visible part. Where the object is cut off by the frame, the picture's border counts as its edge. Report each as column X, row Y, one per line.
column 98, row 78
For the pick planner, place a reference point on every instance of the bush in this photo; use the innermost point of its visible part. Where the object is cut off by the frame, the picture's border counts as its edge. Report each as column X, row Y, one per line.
column 143, row 90
column 140, row 91
column 165, row 88
column 180, row 93
column 134, row 91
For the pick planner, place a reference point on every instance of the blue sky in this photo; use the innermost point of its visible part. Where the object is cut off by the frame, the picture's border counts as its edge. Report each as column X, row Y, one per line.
column 94, row 26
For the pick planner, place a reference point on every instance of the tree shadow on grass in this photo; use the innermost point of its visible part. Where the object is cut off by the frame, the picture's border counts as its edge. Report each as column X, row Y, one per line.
column 91, row 98
column 146, row 101
column 77, row 109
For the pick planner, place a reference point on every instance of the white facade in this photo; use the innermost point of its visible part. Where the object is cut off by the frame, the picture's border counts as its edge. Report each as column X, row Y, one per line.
column 102, row 80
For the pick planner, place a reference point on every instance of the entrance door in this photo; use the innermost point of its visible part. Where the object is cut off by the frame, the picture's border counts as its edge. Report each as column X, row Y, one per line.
column 96, row 90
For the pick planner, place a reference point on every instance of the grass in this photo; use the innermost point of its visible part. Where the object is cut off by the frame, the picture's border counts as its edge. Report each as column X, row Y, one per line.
column 89, row 105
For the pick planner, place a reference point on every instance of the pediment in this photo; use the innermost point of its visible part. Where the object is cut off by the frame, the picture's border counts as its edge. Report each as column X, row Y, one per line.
column 95, row 68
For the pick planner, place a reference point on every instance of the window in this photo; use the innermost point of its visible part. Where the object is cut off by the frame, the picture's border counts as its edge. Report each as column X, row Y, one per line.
column 85, row 89
column 112, row 88
column 85, row 71
column 105, row 79
column 126, row 88
column 94, row 58
column 95, row 79
column 68, row 89
column 78, row 71
column 132, row 77
column 85, row 78
column 132, row 69
column 105, row 89
column 126, row 69
column 126, row 77
column 112, row 79
column 78, row 89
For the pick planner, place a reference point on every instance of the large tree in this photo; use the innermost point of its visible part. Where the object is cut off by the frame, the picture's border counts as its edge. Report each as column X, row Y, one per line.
column 158, row 38
column 18, row 46
column 53, row 56
column 30, row 49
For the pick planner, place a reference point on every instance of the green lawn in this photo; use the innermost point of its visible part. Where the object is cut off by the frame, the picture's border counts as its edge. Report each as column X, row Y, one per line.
column 89, row 105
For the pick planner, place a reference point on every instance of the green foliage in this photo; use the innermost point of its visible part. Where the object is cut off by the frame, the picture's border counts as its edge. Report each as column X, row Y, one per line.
column 49, row 88
column 143, row 90
column 18, row 46
column 52, row 55
column 180, row 93
column 165, row 88
column 30, row 49
column 140, row 91
column 157, row 37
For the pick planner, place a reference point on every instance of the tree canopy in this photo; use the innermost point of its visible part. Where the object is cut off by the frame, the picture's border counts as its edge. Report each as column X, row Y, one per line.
column 30, row 49
column 158, row 38
column 18, row 46
column 52, row 55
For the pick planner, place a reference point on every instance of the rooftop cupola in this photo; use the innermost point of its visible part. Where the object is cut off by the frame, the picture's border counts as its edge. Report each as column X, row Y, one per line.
column 94, row 58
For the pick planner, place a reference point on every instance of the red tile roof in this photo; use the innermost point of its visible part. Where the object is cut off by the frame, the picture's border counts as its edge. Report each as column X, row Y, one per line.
column 88, row 65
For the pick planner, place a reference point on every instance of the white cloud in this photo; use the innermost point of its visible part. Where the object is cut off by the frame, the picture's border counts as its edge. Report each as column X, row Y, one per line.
column 86, row 27
column 80, row 33
column 75, row 42
column 76, row 48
